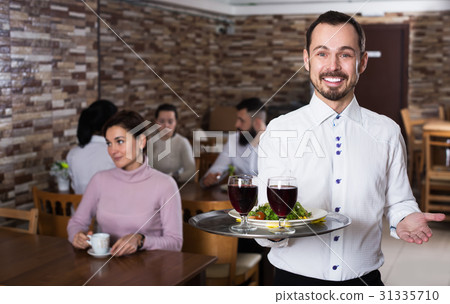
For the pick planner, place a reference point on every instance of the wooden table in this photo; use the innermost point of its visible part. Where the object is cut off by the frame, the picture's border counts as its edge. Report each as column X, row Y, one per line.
column 193, row 192
column 27, row 259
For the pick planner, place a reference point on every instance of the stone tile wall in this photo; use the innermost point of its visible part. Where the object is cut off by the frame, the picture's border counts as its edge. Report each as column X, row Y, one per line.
column 203, row 67
column 429, row 71
column 49, row 71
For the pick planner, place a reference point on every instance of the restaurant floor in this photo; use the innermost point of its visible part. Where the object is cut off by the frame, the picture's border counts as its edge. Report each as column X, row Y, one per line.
column 417, row 265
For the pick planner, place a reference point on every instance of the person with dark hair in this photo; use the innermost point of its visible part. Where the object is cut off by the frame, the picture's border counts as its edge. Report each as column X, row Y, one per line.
column 346, row 159
column 239, row 151
column 90, row 156
column 172, row 153
column 137, row 205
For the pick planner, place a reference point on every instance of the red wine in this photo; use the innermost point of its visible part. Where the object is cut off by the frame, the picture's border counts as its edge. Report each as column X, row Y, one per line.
column 243, row 198
column 282, row 200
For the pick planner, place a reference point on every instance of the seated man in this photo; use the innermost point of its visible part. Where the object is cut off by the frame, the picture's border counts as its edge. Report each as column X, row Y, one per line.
column 251, row 119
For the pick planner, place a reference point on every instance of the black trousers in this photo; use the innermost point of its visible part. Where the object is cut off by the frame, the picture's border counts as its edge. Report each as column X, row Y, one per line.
column 285, row 278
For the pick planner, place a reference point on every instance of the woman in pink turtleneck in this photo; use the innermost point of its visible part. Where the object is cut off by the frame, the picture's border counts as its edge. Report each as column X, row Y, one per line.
column 138, row 206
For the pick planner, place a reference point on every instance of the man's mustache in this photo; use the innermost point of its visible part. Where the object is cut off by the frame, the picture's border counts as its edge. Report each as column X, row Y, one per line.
column 334, row 74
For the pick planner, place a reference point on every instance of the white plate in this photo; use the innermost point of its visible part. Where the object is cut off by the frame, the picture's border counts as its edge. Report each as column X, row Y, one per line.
column 316, row 214
column 99, row 255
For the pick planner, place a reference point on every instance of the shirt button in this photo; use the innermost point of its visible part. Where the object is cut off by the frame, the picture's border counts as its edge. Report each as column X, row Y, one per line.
column 337, row 209
column 336, row 238
column 338, row 181
column 337, row 117
column 338, row 145
column 335, row 267
column 338, row 152
column 338, row 138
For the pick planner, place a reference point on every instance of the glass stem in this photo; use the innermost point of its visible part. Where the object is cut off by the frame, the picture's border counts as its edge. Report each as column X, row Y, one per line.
column 244, row 221
column 280, row 219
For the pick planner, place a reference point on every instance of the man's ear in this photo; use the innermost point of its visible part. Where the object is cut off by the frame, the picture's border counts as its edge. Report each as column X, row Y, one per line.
column 258, row 124
column 363, row 63
column 306, row 59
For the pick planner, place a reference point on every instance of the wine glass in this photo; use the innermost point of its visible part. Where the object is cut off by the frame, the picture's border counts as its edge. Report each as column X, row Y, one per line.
column 243, row 192
column 282, row 195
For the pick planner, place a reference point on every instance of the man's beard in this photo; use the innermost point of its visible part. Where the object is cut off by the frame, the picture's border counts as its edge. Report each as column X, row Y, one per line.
column 331, row 93
column 242, row 140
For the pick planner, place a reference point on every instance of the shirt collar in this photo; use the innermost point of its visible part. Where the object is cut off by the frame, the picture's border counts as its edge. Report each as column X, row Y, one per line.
column 98, row 139
column 322, row 111
column 353, row 111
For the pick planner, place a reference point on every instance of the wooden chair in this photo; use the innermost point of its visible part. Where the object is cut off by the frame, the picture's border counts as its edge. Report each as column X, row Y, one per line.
column 28, row 215
column 436, row 194
column 55, row 210
column 231, row 268
column 204, row 162
column 413, row 120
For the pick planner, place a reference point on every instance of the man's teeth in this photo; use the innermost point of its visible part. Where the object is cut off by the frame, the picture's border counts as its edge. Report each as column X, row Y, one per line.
column 332, row 79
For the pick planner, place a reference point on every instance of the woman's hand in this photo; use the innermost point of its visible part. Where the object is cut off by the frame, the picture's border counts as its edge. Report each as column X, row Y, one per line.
column 127, row 244
column 80, row 240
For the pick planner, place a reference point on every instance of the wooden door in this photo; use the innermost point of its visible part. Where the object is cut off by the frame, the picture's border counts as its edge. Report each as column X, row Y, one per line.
column 383, row 87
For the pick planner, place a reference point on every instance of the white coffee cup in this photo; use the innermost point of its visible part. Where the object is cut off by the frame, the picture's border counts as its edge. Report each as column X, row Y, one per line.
column 99, row 242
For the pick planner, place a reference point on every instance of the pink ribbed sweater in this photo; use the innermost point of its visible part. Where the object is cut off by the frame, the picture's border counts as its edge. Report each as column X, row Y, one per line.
column 124, row 202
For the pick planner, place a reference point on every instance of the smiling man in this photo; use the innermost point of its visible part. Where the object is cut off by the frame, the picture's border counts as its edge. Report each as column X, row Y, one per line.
column 361, row 172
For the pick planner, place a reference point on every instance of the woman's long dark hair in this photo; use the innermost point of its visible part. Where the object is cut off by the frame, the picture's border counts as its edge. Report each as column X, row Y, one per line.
column 92, row 120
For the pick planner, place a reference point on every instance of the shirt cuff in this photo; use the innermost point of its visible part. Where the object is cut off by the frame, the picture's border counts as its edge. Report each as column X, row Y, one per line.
column 397, row 219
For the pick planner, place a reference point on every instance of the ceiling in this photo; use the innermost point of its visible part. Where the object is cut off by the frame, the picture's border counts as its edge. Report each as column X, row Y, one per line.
column 273, row 7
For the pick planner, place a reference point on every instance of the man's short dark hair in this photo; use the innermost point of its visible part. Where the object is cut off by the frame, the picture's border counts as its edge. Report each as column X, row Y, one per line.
column 336, row 18
column 166, row 107
column 250, row 104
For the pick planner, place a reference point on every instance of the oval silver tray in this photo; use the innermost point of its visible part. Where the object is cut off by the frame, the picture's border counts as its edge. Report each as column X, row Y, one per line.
column 219, row 222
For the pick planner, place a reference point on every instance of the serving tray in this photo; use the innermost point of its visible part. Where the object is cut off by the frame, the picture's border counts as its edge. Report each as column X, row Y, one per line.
column 219, row 222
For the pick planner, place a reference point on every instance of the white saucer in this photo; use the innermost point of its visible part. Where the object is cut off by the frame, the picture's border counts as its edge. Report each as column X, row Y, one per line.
column 99, row 255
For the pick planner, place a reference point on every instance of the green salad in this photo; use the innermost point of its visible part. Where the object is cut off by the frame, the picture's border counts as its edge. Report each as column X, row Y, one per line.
column 264, row 212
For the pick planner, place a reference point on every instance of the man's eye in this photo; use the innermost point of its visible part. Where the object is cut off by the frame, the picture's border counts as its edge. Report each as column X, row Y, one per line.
column 321, row 54
column 120, row 141
column 108, row 144
column 346, row 55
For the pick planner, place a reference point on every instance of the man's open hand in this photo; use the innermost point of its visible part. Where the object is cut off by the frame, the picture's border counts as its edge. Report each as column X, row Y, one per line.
column 414, row 228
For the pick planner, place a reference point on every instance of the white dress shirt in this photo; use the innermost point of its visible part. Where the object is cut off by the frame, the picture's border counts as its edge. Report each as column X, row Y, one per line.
column 244, row 158
column 353, row 163
column 175, row 159
column 85, row 162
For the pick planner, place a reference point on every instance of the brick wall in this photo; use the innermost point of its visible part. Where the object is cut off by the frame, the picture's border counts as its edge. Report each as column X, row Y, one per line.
column 48, row 73
column 49, row 70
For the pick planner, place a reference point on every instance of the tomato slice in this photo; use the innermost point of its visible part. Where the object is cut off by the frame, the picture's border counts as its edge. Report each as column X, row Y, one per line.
column 260, row 215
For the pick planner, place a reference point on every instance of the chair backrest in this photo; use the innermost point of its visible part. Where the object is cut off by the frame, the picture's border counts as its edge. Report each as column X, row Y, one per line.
column 198, row 241
column 204, row 162
column 55, row 210
column 437, row 153
column 28, row 215
column 415, row 117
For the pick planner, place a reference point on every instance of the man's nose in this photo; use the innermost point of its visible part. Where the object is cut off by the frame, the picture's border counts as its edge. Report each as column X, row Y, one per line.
column 334, row 63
